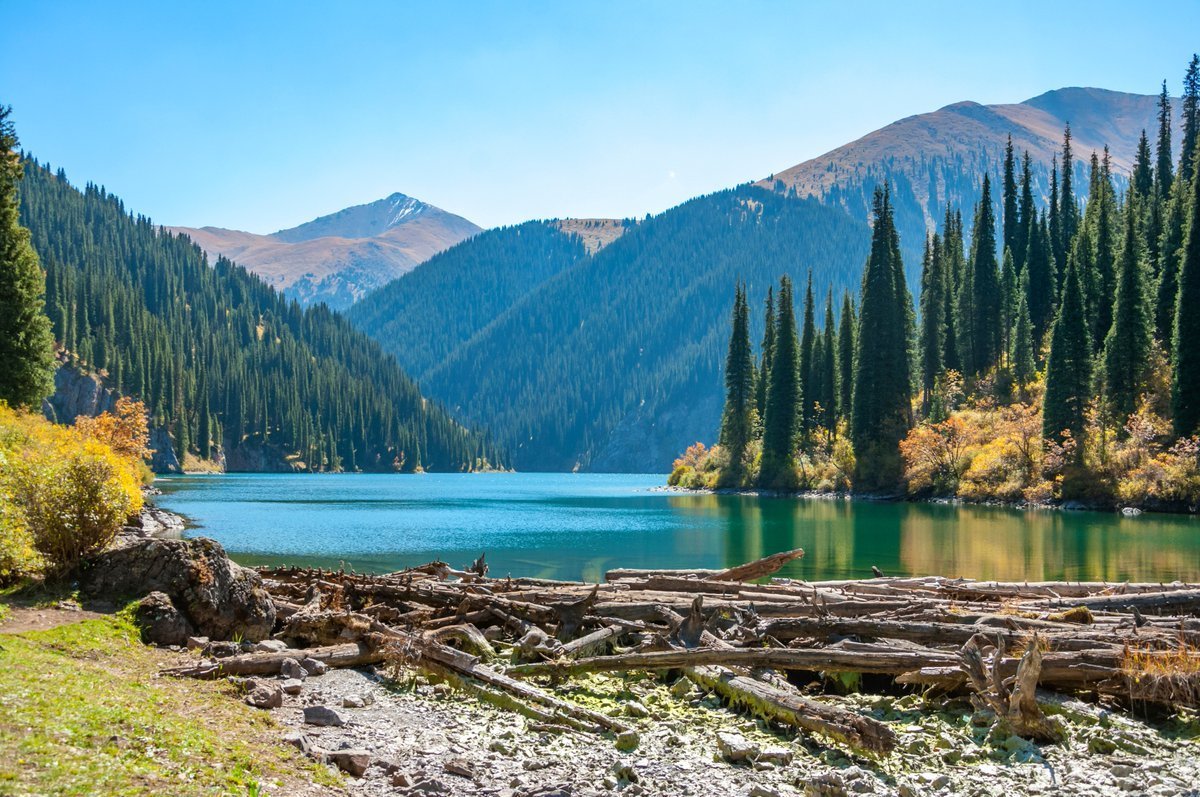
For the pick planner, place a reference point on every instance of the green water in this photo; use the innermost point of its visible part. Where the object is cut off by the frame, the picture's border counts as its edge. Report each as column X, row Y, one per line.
column 579, row 525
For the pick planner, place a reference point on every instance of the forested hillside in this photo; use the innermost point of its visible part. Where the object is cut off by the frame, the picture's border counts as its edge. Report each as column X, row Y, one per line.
column 451, row 297
column 609, row 364
column 225, row 363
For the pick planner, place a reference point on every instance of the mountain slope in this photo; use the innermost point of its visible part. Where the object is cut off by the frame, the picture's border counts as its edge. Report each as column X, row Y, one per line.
column 939, row 158
column 227, row 366
column 338, row 258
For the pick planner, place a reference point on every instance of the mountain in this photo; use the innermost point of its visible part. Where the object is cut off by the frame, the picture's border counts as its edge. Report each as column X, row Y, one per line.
column 939, row 158
column 612, row 361
column 231, row 371
column 336, row 259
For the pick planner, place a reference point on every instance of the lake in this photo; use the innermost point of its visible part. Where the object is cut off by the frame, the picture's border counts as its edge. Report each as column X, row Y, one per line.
column 579, row 525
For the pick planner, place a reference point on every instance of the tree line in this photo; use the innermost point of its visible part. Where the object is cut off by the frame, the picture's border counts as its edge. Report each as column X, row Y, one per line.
column 1084, row 314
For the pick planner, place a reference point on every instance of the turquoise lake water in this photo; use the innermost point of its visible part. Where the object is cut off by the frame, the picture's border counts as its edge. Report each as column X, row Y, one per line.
column 579, row 525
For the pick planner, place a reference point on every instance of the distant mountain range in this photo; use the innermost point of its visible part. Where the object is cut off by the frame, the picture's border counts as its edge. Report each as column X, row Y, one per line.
column 610, row 359
column 337, row 259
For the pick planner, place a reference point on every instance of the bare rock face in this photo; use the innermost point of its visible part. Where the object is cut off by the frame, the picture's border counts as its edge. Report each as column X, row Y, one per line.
column 221, row 599
column 161, row 622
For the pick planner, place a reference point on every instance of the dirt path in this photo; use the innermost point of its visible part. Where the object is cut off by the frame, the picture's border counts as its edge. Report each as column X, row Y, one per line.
column 19, row 619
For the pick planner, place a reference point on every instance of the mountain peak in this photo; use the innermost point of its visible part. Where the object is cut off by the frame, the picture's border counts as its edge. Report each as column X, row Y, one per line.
column 361, row 221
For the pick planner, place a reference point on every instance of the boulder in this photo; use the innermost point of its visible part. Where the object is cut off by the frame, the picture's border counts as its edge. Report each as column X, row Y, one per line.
column 353, row 762
column 291, row 670
column 221, row 599
column 323, row 715
column 314, row 666
column 160, row 622
column 734, row 747
column 265, row 696
column 292, row 686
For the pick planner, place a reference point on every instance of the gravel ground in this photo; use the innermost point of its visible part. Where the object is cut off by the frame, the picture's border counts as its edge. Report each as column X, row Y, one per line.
column 424, row 738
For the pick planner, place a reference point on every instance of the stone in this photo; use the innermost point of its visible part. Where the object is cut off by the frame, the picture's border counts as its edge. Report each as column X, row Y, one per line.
column 313, row 666
column 635, row 708
column 197, row 642
column 627, row 740
column 460, row 767
column 624, row 772
column 160, row 622
column 402, row 780
column 353, row 762
column 323, row 715
column 502, row 747
column 292, row 686
column 352, row 701
column 298, row 740
column 265, row 697
column 291, row 669
column 429, row 787
column 221, row 599
column 780, row 756
column 735, row 748
column 271, row 646
column 758, row 790
column 681, row 688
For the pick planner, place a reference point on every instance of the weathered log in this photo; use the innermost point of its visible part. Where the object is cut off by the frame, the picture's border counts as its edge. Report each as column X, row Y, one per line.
column 760, row 568
column 1180, row 599
column 592, row 644
column 846, row 728
column 1016, row 708
column 351, row 655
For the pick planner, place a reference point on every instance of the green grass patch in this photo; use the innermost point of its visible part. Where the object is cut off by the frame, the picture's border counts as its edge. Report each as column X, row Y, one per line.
column 82, row 712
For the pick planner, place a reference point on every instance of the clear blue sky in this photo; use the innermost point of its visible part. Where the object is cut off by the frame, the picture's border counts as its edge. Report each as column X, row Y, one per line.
column 261, row 115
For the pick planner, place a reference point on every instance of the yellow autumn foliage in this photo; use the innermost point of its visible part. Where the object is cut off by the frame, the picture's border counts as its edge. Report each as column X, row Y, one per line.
column 64, row 493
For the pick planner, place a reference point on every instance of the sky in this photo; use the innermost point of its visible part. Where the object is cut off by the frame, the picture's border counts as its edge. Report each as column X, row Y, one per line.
column 261, row 115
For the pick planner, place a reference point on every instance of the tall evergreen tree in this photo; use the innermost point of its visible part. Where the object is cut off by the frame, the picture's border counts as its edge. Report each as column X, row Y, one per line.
column 26, row 342
column 827, row 368
column 1027, row 212
column 1185, row 362
column 766, row 351
column 1021, row 350
column 1170, row 250
column 1058, row 248
column 1163, row 166
column 952, row 258
column 1068, row 210
column 1100, row 282
column 737, row 421
column 1191, row 120
column 1143, row 172
column 933, row 322
column 808, row 339
column 1008, row 300
column 882, row 413
column 979, row 307
column 1127, row 345
column 847, row 346
column 1012, row 218
column 784, row 398
column 1069, row 366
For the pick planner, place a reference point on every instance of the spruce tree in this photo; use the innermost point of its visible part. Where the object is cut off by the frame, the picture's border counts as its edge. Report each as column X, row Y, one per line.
column 1012, row 217
column 1191, row 120
column 1008, row 300
column 1058, row 248
column 933, row 324
column 1021, row 351
column 26, row 341
column 737, row 421
column 1027, row 212
column 808, row 340
column 784, row 398
column 766, row 351
column 828, row 368
column 1068, row 210
column 882, row 413
column 952, row 256
column 1170, row 250
column 1163, row 166
column 1185, row 362
column 1069, row 365
column 1143, row 172
column 846, row 348
column 1127, row 345
column 1101, row 281
column 979, row 310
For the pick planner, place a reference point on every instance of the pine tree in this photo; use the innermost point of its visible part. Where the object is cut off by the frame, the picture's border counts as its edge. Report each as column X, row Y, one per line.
column 1191, row 120
column 1143, row 172
column 882, row 413
column 1027, row 212
column 1058, row 248
column 1185, row 363
column 952, row 258
column 807, row 342
column 1068, row 210
column 828, row 368
column 1163, row 167
column 26, row 342
column 784, row 397
column 737, row 421
column 766, row 352
column 1127, row 345
column 979, row 309
column 933, row 324
column 1069, row 366
column 1020, row 355
column 1008, row 300
column 1170, row 250
column 1101, row 281
column 847, row 345
column 1012, row 217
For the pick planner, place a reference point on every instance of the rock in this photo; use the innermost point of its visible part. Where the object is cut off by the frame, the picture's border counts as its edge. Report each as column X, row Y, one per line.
column 681, row 688
column 271, row 646
column 502, row 747
column 402, row 780
column 777, row 755
column 323, row 715
column 934, row 780
column 197, row 642
column 313, row 666
column 827, row 784
column 624, row 772
column 292, row 686
column 298, row 740
column 161, row 623
column 221, row 599
column 352, row 701
column 735, row 748
column 636, row 709
column 758, row 790
column 460, row 767
column 527, row 645
column 627, row 740
column 265, row 697
column 429, row 787
column 291, row 669
column 354, row 762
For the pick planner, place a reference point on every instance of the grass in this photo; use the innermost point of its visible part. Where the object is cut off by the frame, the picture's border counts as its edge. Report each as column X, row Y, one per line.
column 82, row 712
column 1172, row 675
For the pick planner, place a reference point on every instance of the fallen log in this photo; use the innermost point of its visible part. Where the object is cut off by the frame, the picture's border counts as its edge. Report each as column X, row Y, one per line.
column 846, row 728
column 760, row 568
column 350, row 655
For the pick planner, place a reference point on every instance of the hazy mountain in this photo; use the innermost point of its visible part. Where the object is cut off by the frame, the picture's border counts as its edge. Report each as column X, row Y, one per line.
column 611, row 361
column 338, row 258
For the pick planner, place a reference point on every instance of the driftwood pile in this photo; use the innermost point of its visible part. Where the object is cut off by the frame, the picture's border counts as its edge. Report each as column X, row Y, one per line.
column 511, row 640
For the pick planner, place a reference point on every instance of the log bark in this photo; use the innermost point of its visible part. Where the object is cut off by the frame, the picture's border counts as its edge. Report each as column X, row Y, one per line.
column 761, row 568
column 350, row 655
